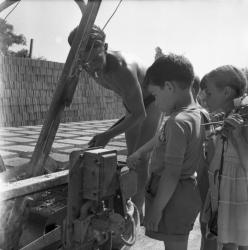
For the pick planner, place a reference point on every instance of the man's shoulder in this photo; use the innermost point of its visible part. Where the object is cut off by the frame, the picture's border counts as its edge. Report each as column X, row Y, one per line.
column 128, row 59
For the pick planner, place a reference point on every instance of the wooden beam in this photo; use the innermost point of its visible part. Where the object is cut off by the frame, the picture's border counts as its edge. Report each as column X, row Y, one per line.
column 45, row 241
column 82, row 5
column 4, row 5
column 65, row 89
column 33, row 185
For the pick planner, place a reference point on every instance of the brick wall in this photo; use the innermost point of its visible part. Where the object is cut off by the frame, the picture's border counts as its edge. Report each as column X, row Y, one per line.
column 27, row 87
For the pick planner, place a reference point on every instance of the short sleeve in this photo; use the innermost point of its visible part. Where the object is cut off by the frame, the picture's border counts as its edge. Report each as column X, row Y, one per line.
column 176, row 142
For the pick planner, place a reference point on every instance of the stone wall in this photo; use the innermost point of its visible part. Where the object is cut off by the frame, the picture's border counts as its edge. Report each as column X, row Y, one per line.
column 27, row 87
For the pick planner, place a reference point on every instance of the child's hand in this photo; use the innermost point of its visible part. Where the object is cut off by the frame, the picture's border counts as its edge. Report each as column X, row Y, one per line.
column 152, row 219
column 234, row 122
column 133, row 160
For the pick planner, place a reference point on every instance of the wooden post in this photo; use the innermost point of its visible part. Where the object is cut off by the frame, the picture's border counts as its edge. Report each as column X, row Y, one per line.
column 4, row 5
column 15, row 210
column 31, row 48
column 67, row 84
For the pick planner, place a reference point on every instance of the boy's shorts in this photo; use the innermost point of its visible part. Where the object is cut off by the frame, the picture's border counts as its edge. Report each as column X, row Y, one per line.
column 179, row 214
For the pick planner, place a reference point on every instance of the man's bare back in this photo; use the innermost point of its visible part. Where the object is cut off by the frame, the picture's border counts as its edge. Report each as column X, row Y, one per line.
column 116, row 76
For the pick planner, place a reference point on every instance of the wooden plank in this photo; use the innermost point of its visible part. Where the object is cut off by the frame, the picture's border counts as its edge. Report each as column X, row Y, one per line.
column 74, row 201
column 4, row 5
column 65, row 89
column 45, row 240
column 63, row 96
column 33, row 185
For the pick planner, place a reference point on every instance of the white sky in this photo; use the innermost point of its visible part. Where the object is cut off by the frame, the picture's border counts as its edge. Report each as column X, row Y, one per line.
column 209, row 32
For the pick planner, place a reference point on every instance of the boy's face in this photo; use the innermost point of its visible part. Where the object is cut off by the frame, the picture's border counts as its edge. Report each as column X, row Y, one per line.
column 215, row 97
column 163, row 96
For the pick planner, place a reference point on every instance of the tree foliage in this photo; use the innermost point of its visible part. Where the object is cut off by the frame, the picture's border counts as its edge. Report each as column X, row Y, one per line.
column 9, row 38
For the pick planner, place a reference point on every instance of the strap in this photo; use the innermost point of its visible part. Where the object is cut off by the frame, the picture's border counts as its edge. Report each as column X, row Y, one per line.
column 220, row 171
column 222, row 157
column 205, row 116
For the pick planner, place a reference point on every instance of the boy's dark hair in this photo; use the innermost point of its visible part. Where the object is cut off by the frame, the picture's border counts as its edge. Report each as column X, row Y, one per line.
column 227, row 76
column 96, row 34
column 171, row 67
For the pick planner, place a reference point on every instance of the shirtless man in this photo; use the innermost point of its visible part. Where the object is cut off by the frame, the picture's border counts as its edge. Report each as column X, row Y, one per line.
column 125, row 76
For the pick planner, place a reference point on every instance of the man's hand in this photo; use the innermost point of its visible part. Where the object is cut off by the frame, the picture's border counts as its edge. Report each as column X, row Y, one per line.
column 133, row 160
column 153, row 218
column 99, row 140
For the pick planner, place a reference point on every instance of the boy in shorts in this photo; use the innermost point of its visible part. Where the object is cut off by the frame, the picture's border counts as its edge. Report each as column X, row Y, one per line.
column 172, row 196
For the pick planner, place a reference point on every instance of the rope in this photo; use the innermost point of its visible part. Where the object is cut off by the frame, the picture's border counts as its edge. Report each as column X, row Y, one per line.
column 112, row 14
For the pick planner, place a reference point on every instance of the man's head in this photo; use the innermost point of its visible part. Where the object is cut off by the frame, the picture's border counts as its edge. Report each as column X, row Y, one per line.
column 222, row 85
column 168, row 78
column 94, row 53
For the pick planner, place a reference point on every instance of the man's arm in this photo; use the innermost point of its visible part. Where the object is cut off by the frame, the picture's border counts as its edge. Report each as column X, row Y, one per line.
column 127, row 81
column 147, row 147
column 134, row 159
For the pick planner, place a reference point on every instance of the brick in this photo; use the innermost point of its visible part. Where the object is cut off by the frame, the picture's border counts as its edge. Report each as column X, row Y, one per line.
column 66, row 135
column 16, row 161
column 60, row 145
column 72, row 141
column 69, row 150
column 8, row 134
column 28, row 132
column 118, row 143
column 59, row 157
column 35, row 137
column 19, row 148
column 7, row 154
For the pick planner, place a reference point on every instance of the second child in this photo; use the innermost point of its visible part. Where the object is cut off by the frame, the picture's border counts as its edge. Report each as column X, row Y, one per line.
column 228, row 170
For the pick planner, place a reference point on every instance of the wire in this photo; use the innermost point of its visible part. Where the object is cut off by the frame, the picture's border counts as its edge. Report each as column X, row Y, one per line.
column 11, row 10
column 112, row 15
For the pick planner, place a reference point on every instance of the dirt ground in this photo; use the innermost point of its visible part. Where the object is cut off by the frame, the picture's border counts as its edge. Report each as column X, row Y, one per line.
column 145, row 243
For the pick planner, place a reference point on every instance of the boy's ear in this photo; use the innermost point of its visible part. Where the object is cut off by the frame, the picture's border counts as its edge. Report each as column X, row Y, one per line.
column 228, row 92
column 170, row 86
